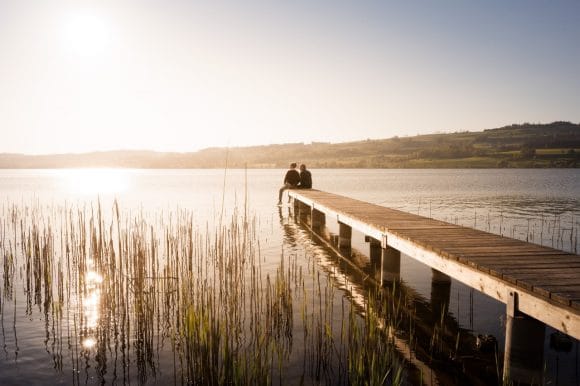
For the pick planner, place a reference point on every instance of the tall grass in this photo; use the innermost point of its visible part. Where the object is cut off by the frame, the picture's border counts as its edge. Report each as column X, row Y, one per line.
column 133, row 297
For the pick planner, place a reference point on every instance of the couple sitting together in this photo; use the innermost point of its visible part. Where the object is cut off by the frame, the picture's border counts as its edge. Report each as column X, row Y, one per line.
column 294, row 180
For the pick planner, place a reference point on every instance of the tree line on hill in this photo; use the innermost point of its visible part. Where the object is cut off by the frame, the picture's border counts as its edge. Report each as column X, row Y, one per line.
column 520, row 145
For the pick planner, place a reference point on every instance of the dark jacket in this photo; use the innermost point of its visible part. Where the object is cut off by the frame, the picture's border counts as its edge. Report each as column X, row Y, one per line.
column 292, row 177
column 305, row 179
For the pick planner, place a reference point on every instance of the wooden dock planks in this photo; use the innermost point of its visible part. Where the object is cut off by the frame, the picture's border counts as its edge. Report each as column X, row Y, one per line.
column 544, row 272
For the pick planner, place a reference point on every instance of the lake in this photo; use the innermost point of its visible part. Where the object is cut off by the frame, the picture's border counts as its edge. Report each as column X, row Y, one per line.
column 174, row 219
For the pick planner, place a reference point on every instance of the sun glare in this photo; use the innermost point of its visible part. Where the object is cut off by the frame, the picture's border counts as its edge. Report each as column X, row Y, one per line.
column 91, row 304
column 85, row 33
column 89, row 342
column 95, row 181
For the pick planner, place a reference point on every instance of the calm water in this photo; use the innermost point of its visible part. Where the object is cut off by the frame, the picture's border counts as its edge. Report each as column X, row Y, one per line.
column 541, row 206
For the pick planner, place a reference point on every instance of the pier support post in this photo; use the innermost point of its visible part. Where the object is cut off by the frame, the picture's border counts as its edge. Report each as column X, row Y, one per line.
column 296, row 204
column 318, row 218
column 523, row 359
column 385, row 261
column 391, row 270
column 440, row 294
column 374, row 252
column 376, row 256
column 439, row 277
column 344, row 236
column 303, row 211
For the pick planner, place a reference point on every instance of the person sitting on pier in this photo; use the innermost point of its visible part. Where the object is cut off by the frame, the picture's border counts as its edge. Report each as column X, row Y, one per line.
column 291, row 181
column 305, row 178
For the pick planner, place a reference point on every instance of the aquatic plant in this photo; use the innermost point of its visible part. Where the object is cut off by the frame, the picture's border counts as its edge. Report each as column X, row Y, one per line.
column 128, row 297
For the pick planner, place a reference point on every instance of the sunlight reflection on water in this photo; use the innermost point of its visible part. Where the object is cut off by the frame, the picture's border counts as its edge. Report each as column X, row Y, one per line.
column 91, row 182
column 91, row 309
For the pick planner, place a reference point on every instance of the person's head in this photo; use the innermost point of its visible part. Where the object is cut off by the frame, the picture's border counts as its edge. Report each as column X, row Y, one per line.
column 293, row 165
column 302, row 167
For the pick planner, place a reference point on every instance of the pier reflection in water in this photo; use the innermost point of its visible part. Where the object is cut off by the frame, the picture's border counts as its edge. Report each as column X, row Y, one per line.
column 433, row 340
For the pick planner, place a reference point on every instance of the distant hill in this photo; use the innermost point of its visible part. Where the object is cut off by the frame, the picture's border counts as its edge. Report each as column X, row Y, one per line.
column 522, row 145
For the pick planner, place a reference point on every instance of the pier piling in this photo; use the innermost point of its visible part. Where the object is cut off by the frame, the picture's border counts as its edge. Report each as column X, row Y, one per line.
column 391, row 270
column 318, row 219
column 524, row 346
column 344, row 236
column 386, row 262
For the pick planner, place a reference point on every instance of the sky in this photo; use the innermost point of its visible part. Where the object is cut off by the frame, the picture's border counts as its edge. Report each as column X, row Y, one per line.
column 176, row 75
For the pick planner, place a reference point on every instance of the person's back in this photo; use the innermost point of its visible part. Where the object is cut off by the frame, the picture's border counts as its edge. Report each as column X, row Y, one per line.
column 291, row 181
column 305, row 178
column 292, row 177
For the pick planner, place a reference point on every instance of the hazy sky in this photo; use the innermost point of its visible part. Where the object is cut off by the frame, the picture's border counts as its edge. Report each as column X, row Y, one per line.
column 177, row 75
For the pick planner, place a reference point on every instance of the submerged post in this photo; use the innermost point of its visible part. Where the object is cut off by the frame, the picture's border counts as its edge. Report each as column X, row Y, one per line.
column 301, row 210
column 296, row 204
column 440, row 294
column 439, row 277
column 509, row 323
column 391, row 270
column 344, row 236
column 374, row 251
column 318, row 218
column 375, row 254
column 385, row 261
column 524, row 345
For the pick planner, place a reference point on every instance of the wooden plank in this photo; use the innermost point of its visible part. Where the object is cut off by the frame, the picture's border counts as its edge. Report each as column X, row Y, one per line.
column 493, row 257
column 565, row 298
column 516, row 260
column 408, row 228
column 435, row 238
column 500, row 270
column 519, row 260
column 466, row 238
column 561, row 293
column 539, row 279
column 546, row 273
column 506, row 271
column 452, row 230
column 546, row 276
column 546, row 255
column 473, row 248
column 387, row 220
column 498, row 248
column 447, row 229
column 532, row 263
column 463, row 254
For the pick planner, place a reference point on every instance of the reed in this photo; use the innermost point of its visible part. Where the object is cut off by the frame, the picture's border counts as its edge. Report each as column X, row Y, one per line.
column 131, row 297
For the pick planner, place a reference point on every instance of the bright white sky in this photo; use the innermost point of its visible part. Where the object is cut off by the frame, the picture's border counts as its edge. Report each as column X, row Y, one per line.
column 173, row 75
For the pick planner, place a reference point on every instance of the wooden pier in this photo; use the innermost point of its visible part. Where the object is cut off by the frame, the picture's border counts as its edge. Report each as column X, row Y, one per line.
column 532, row 280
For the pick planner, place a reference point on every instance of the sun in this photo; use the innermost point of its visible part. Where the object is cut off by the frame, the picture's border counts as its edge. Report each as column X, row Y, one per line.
column 86, row 33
